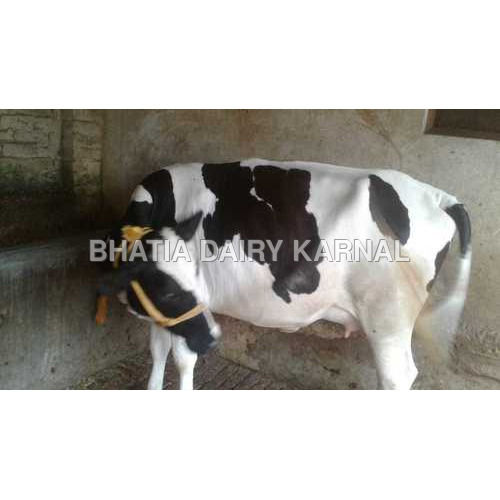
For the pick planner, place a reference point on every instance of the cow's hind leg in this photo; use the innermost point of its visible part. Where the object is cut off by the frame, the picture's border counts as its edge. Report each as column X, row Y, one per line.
column 185, row 359
column 160, row 344
column 393, row 359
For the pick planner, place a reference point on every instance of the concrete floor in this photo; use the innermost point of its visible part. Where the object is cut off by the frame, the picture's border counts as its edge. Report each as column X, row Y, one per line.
column 212, row 372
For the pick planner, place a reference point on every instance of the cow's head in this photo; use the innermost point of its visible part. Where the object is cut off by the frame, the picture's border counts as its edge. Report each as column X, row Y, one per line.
column 184, row 291
column 170, row 280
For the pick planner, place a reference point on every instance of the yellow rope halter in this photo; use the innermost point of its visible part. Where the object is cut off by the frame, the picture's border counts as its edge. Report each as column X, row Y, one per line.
column 156, row 315
column 131, row 234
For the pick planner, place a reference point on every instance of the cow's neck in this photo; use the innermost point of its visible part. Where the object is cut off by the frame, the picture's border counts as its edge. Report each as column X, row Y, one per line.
column 213, row 282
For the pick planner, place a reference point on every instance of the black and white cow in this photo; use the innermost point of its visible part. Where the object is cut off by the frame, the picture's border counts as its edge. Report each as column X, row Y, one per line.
column 302, row 204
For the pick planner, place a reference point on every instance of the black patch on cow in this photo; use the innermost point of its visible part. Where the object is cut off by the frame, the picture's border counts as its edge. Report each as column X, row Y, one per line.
column 438, row 262
column 161, row 212
column 461, row 218
column 187, row 228
column 387, row 210
column 277, row 212
column 156, row 215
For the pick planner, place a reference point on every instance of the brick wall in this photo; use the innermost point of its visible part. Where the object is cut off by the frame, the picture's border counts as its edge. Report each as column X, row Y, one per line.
column 50, row 173
column 29, row 150
column 82, row 150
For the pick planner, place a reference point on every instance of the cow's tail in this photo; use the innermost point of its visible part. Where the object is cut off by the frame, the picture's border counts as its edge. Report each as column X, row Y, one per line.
column 438, row 322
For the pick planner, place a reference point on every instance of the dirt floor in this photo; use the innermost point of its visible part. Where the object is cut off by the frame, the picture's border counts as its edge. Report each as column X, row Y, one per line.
column 211, row 372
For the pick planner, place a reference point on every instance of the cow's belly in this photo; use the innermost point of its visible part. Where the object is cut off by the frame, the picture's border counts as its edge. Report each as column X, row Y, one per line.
column 252, row 299
column 300, row 313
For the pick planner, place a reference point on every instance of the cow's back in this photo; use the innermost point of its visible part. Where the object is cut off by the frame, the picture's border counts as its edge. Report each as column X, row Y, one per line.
column 304, row 201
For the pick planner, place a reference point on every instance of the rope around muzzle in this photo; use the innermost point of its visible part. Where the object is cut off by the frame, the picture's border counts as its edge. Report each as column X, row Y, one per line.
column 156, row 315
column 131, row 234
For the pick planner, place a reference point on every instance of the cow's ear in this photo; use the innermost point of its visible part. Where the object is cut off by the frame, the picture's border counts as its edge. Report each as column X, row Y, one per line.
column 187, row 227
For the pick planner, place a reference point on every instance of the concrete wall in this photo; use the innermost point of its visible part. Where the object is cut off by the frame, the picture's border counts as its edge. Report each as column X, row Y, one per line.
column 50, row 185
column 138, row 142
column 48, row 338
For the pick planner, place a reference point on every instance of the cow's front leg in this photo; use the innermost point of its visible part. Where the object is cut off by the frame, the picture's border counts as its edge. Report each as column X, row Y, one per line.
column 185, row 359
column 160, row 344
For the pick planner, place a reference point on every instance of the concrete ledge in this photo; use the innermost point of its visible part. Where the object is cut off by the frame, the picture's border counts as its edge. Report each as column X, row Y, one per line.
column 48, row 338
